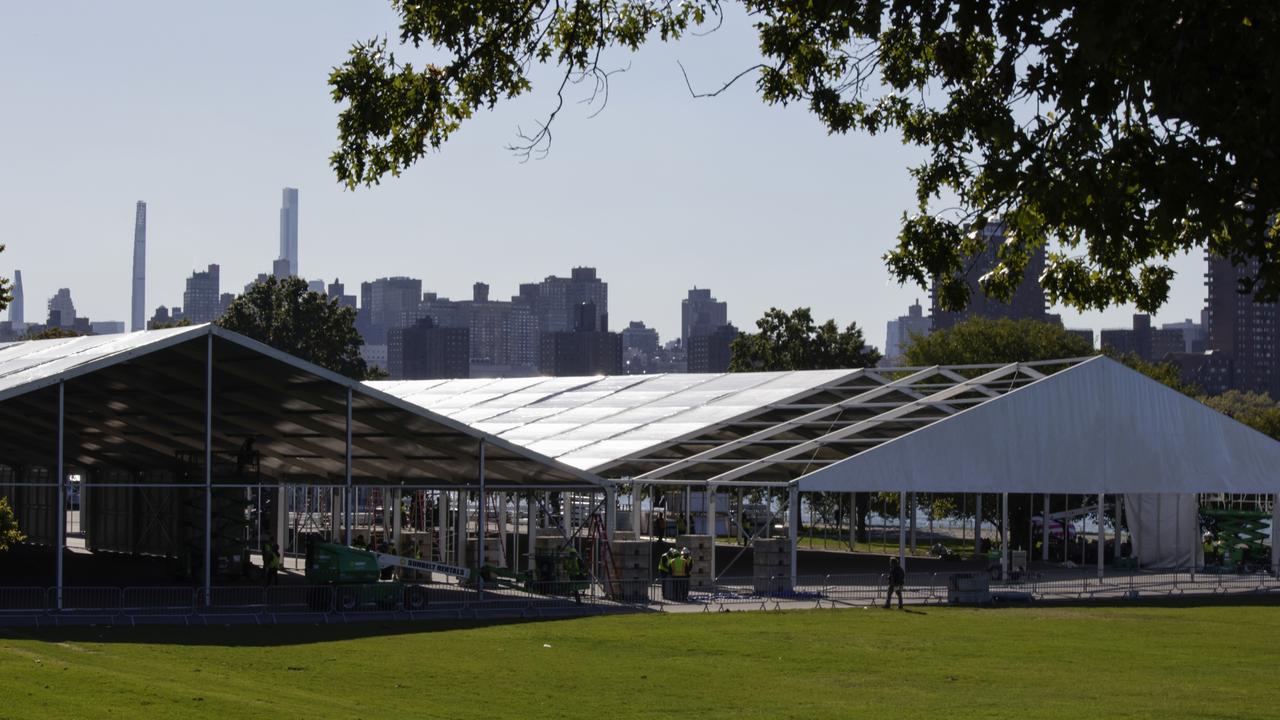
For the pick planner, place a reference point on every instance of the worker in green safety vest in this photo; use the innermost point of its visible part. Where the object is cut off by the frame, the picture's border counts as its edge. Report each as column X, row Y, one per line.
column 573, row 570
column 271, row 563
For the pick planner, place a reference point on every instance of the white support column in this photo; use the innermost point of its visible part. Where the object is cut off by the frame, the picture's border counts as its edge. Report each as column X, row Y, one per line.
column 348, row 495
column 282, row 517
column 62, row 489
column 711, row 528
column 208, row 468
column 503, row 530
column 793, row 526
column 853, row 521
column 397, row 499
column 482, row 521
column 912, row 514
column 636, row 514
column 1044, row 530
column 1275, row 523
column 531, row 511
column 902, row 529
column 977, row 525
column 1102, row 538
column 1117, row 522
column 1004, row 536
column 442, row 529
column 610, row 510
column 460, row 527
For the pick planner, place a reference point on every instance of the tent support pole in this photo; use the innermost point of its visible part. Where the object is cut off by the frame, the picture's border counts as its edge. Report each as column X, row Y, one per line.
column 912, row 518
column 62, row 489
column 1044, row 530
column 347, row 495
column 636, row 515
column 208, row 469
column 482, row 520
column 1275, row 523
column 1004, row 536
column 711, row 526
column 1102, row 538
column 977, row 525
column 902, row 529
column 793, row 527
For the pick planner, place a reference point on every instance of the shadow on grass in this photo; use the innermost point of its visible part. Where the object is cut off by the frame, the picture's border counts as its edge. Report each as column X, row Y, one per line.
column 240, row 635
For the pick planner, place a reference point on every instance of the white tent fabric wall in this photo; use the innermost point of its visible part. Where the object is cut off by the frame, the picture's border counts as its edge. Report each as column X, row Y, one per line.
column 1164, row 529
column 1096, row 427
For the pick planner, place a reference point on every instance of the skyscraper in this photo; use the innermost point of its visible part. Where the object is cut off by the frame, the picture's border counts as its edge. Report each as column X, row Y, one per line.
column 1243, row 329
column 289, row 229
column 1028, row 300
column 202, row 299
column 701, row 314
column 138, row 318
column 16, row 317
column 62, row 312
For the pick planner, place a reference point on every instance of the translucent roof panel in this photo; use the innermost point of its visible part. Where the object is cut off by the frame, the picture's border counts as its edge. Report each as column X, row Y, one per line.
column 590, row 422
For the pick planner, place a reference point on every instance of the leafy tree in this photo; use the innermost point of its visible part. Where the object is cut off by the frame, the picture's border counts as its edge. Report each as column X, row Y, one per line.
column 791, row 341
column 1257, row 410
column 52, row 332
column 9, row 534
column 979, row 340
column 1097, row 126
column 284, row 314
column 5, row 287
column 183, row 322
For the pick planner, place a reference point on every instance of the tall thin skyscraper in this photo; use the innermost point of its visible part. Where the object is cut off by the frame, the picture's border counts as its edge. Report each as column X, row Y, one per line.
column 16, row 316
column 138, row 318
column 289, row 229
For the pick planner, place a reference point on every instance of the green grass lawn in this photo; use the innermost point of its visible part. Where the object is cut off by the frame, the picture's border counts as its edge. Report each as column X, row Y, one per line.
column 1067, row 662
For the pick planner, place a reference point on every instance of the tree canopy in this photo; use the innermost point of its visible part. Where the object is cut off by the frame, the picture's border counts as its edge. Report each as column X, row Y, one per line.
column 1117, row 134
column 984, row 340
column 5, row 287
column 9, row 534
column 1257, row 410
column 284, row 314
column 791, row 341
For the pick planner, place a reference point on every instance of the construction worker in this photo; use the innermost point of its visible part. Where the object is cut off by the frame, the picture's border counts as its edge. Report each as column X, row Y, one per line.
column 679, row 581
column 688, row 573
column 271, row 563
column 664, row 572
column 573, row 569
column 359, row 542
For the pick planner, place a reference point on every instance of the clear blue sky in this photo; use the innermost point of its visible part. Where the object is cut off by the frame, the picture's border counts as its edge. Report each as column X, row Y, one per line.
column 206, row 110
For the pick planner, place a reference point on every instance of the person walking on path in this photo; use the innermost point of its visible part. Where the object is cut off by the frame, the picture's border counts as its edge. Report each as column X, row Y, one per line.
column 897, row 578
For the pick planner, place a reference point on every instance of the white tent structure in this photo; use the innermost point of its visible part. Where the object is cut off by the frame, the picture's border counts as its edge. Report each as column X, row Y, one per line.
column 1083, row 425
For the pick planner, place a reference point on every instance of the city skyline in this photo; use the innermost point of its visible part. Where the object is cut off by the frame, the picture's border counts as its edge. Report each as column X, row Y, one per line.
column 699, row 203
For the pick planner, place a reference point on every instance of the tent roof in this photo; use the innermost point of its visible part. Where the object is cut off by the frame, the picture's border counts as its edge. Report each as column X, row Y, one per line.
column 766, row 427
column 137, row 402
column 1095, row 427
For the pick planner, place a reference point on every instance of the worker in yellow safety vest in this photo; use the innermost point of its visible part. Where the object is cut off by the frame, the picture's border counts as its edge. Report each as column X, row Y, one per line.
column 664, row 572
column 679, row 576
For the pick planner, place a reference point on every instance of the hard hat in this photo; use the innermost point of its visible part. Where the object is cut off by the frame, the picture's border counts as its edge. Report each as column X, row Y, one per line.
column 684, row 551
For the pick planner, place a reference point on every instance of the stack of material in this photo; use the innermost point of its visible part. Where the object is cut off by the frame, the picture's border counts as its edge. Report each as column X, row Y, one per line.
column 772, row 570
column 633, row 560
column 492, row 551
column 700, row 550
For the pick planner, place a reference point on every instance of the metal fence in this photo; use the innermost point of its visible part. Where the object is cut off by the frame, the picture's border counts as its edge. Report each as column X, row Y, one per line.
column 582, row 597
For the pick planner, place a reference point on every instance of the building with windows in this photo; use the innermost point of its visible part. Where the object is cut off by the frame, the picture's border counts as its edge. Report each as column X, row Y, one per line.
column 423, row 351
column 1028, row 301
column 202, row 300
column 62, row 311
column 1150, row 344
column 1242, row 328
column 17, row 311
column 701, row 314
column 585, row 350
column 138, row 314
column 899, row 332
column 711, row 352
